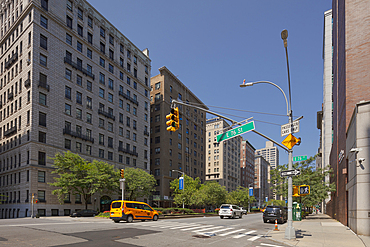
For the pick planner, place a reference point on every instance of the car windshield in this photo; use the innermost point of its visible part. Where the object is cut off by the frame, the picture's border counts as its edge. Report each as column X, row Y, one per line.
column 272, row 209
column 225, row 207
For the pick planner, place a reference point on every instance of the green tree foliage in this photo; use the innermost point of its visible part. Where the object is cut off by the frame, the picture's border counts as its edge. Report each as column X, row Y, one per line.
column 78, row 176
column 212, row 193
column 276, row 202
column 309, row 176
column 189, row 195
column 240, row 197
column 138, row 183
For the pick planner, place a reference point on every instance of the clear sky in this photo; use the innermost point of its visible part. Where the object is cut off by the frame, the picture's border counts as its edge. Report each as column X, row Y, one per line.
column 212, row 45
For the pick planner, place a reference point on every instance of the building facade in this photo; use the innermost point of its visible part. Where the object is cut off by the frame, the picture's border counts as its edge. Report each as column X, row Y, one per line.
column 351, row 61
column 270, row 153
column 70, row 81
column 183, row 150
column 223, row 158
column 246, row 164
column 261, row 181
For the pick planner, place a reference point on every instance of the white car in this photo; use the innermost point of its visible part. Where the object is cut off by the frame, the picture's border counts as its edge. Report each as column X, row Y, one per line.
column 243, row 210
column 231, row 211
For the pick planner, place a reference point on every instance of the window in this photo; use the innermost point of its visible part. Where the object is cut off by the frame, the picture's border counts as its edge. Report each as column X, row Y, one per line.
column 121, row 48
column 44, row 4
column 102, row 78
column 101, row 153
column 111, row 68
column 79, row 46
column 111, row 40
column 41, row 177
column 78, row 97
column 128, row 54
column 101, row 92
column 68, row 39
column 89, row 102
column 78, row 147
column 69, row 5
column 79, row 80
column 68, row 74
column 110, row 127
column 128, row 107
column 67, row 92
column 157, row 139
column 102, row 62
column 102, row 32
column 78, row 113
column 88, row 118
column 90, row 38
column 111, row 54
column 42, row 99
column 128, row 121
column 43, row 21
column 128, row 81
column 88, row 149
column 67, row 109
column 110, row 83
column 69, row 21
column 90, row 21
column 101, row 123
column 43, row 42
column 157, row 172
column 101, row 139
column 42, row 137
column 43, row 60
column 110, row 97
column 134, row 111
column 89, row 85
column 80, row 14
column 102, row 47
column 42, row 158
column 42, row 119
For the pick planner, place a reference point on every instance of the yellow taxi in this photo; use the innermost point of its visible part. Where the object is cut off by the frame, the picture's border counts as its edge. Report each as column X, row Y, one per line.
column 131, row 210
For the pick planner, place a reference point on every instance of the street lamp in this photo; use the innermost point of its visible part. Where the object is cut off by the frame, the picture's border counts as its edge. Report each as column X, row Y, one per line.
column 183, row 188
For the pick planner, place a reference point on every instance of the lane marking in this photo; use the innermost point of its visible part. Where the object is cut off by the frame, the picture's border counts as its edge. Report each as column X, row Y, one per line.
column 272, row 245
column 188, row 229
column 254, row 238
column 228, row 233
column 244, row 234
column 221, row 230
column 206, row 229
column 185, row 226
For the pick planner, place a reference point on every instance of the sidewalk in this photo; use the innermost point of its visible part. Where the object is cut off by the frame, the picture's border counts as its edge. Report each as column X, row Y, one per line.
column 319, row 230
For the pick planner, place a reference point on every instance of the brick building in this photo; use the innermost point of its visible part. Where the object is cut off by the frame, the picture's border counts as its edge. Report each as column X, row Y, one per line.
column 246, row 163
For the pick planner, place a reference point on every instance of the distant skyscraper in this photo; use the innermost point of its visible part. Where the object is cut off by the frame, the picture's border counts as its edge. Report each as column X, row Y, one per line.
column 270, row 153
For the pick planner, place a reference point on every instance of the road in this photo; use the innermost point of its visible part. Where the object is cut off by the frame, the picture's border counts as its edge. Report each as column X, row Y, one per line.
column 204, row 231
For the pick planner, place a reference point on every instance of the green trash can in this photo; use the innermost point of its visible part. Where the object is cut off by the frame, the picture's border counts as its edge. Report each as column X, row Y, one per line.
column 297, row 211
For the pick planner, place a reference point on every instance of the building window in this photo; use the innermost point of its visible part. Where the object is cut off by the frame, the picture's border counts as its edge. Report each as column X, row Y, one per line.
column 79, row 46
column 78, row 113
column 42, row 99
column 79, row 98
column 89, row 102
column 43, row 60
column 67, row 92
column 68, row 39
column 41, row 177
column 67, row 144
column 42, row 158
column 43, row 42
column 101, row 92
column 43, row 21
column 44, row 4
column 42, row 119
column 101, row 153
column 102, row 78
column 102, row 47
column 80, row 14
column 69, row 21
column 101, row 139
column 69, row 5
column 42, row 137
column 102, row 32
column 90, row 21
column 68, row 74
column 110, row 83
column 90, row 38
column 102, row 62
column 111, row 54
column 67, row 109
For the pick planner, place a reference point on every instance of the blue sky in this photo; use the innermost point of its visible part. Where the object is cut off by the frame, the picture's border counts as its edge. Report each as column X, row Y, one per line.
column 212, row 45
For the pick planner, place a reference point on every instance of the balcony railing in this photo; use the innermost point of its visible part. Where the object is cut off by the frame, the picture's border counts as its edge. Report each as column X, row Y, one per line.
column 27, row 83
column 79, row 67
column 128, row 151
column 67, row 131
column 11, row 60
column 11, row 131
column 128, row 98
column 106, row 114
column 44, row 85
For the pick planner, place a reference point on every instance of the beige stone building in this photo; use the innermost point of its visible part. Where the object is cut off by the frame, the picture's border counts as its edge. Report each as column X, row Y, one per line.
column 270, row 153
column 182, row 150
column 246, row 164
column 261, row 180
column 223, row 159
column 69, row 81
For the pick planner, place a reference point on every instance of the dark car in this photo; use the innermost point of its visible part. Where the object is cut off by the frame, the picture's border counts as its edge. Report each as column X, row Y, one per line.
column 85, row 213
column 273, row 213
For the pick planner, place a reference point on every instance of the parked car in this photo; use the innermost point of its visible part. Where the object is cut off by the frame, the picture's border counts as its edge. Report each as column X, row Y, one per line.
column 273, row 213
column 244, row 210
column 231, row 211
column 85, row 213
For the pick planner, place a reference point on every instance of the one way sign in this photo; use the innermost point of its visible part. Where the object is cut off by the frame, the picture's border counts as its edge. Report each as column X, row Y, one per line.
column 289, row 173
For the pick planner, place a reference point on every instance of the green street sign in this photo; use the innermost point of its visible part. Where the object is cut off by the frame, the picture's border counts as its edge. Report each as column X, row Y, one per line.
column 300, row 158
column 236, row 131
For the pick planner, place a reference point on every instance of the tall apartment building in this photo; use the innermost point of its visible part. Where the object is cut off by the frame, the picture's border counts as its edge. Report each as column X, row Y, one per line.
column 69, row 81
column 351, row 85
column 223, row 159
column 270, row 153
column 261, row 180
column 183, row 150
column 246, row 163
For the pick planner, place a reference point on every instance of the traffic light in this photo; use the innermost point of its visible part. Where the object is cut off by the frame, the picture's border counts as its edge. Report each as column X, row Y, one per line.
column 37, row 200
column 122, row 173
column 173, row 120
column 295, row 191
column 304, row 190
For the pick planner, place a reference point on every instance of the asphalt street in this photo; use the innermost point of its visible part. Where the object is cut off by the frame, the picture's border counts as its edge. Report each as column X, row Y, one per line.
column 66, row 231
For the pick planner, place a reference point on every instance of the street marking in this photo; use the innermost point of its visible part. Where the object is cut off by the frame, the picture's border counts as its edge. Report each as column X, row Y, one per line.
column 244, row 234
column 44, row 224
column 225, row 234
column 195, row 228
column 221, row 230
column 272, row 245
column 185, row 226
column 206, row 229
column 168, row 226
column 254, row 238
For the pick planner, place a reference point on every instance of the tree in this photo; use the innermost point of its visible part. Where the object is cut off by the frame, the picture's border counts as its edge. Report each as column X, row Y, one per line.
column 240, row 197
column 309, row 176
column 189, row 194
column 138, row 183
column 212, row 193
column 78, row 176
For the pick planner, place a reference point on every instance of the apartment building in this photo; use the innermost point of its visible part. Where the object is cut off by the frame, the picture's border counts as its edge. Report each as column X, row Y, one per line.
column 182, row 150
column 246, row 164
column 270, row 153
column 261, row 181
column 223, row 158
column 69, row 80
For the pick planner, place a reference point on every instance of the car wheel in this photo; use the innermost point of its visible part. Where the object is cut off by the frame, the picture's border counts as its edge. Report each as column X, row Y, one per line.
column 116, row 221
column 130, row 219
column 233, row 216
column 155, row 217
column 264, row 221
column 221, row 217
column 241, row 215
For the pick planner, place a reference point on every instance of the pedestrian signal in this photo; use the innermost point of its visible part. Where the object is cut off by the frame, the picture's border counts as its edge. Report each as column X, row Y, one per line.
column 304, row 190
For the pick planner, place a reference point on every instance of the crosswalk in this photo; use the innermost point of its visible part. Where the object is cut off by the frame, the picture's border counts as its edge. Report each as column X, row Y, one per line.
column 203, row 229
